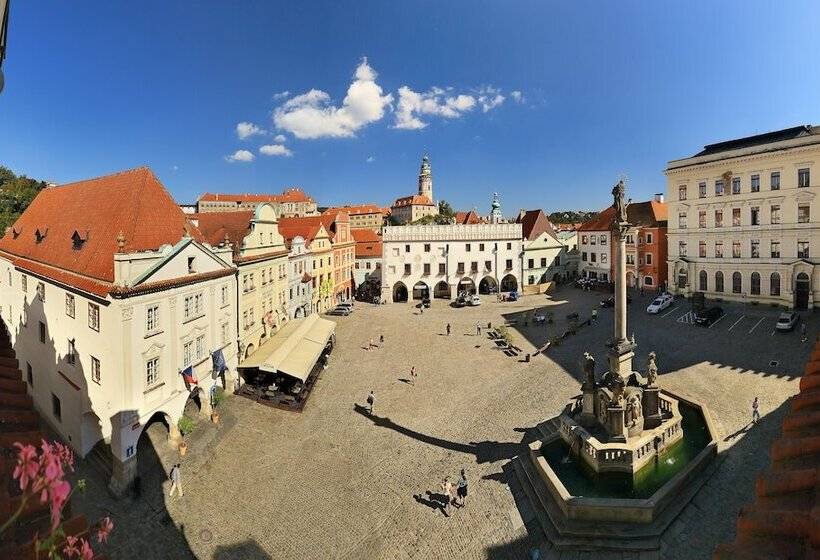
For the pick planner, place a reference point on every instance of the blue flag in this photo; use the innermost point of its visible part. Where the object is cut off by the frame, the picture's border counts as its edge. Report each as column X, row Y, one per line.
column 219, row 361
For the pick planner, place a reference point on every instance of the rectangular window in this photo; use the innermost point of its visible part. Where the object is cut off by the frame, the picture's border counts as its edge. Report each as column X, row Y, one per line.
column 530, row 263
column 803, row 214
column 603, row 240
column 774, row 180
column 42, row 332
column 735, row 185
column 649, row 239
column 755, row 183
column 775, row 249
column 151, row 372
column 426, row 247
column 584, row 256
column 94, row 316
column 41, row 291
column 442, row 268
column 755, row 248
column 29, row 374
column 474, row 266
column 702, row 190
column 407, row 270
column 467, row 247
column 681, row 252
column 803, row 178
column 24, row 283
column 69, row 305
column 735, row 217
column 95, row 370
column 460, row 268
column 603, row 258
column 200, row 346
column 702, row 249
column 735, row 249
column 480, row 246
column 188, row 353
column 426, row 269
column 152, row 318
column 71, row 354
column 543, row 262
column 225, row 332
column 775, row 213
column 630, row 259
column 509, row 264
column 56, row 408
column 488, row 266
column 755, row 215
column 509, row 246
column 719, row 188
column 407, row 248
column 702, row 218
column 802, row 249
column 593, row 257
column 593, row 240
column 718, row 218
column 718, row 249
column 682, row 192
column 682, row 220
column 583, row 239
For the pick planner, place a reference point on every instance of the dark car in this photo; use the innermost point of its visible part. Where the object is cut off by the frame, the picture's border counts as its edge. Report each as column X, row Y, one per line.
column 610, row 301
column 708, row 316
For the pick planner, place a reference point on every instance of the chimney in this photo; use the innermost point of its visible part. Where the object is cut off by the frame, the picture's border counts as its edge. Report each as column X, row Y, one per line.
column 659, row 197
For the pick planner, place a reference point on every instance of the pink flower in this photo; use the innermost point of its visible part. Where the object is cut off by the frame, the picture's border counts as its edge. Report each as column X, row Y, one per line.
column 85, row 550
column 65, row 454
column 70, row 550
column 27, row 466
column 51, row 463
column 58, row 492
column 104, row 529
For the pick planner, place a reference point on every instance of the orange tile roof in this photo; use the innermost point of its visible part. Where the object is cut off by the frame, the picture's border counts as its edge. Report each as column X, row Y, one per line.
column 307, row 227
column 132, row 202
column 470, row 217
column 415, row 199
column 649, row 214
column 354, row 210
column 368, row 243
column 783, row 522
column 293, row 194
column 601, row 222
column 215, row 226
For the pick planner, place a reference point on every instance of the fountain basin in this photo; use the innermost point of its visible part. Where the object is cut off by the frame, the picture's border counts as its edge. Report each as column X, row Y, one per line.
column 643, row 497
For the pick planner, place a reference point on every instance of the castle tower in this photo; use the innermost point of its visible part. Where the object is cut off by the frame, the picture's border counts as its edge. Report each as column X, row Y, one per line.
column 495, row 210
column 426, row 178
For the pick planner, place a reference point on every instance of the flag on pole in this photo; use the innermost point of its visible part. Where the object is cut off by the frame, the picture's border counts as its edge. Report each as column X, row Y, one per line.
column 188, row 377
column 219, row 361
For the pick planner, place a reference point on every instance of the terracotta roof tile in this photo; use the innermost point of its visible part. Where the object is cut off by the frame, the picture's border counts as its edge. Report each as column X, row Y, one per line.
column 306, row 226
column 132, row 202
column 293, row 194
column 415, row 199
column 648, row 214
column 216, row 225
column 470, row 217
column 534, row 223
column 355, row 210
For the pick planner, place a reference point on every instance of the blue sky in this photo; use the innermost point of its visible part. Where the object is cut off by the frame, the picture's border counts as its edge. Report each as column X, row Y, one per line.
column 605, row 88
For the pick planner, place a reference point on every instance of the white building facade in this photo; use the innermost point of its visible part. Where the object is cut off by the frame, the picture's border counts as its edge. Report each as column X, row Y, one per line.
column 744, row 220
column 440, row 261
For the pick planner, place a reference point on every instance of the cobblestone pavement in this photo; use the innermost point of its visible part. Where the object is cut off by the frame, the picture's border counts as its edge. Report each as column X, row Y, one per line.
column 332, row 482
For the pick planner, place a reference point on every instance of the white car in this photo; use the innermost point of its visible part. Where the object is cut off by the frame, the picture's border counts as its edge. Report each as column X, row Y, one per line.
column 660, row 303
column 474, row 300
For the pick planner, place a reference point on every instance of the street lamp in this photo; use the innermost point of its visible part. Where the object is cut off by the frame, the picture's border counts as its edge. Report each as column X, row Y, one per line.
column 4, row 28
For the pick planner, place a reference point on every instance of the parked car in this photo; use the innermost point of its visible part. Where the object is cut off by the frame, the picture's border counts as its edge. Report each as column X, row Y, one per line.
column 474, row 300
column 610, row 301
column 708, row 316
column 461, row 300
column 660, row 303
column 347, row 304
column 340, row 310
column 787, row 321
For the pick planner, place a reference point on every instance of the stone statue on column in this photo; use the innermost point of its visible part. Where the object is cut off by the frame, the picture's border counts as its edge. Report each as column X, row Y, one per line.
column 618, row 193
column 651, row 370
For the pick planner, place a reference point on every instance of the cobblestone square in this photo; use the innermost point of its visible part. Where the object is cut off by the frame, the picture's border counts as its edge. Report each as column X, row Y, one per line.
column 332, row 482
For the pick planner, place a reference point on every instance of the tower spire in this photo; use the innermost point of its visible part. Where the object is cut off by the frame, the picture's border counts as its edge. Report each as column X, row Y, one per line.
column 426, row 178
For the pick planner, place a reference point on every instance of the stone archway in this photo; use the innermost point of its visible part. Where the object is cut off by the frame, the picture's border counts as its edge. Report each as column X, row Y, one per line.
column 249, row 350
column 421, row 290
column 442, row 290
column 509, row 283
column 487, row 286
column 399, row 292
column 802, row 287
column 466, row 285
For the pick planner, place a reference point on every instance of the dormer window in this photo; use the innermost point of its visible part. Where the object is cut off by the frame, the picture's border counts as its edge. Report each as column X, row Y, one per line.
column 39, row 235
column 78, row 240
column 191, row 265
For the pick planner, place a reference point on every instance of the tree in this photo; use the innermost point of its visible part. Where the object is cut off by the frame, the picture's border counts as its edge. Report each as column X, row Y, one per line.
column 571, row 216
column 446, row 211
column 16, row 193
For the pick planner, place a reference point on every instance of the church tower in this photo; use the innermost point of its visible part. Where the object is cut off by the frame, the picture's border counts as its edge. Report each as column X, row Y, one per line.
column 426, row 178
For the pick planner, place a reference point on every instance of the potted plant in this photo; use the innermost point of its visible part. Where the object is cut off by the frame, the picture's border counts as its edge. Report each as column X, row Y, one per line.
column 216, row 400
column 186, row 426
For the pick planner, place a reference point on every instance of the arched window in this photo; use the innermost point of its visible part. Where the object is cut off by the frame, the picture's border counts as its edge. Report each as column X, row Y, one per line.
column 718, row 281
column 755, row 289
column 737, row 281
column 682, row 278
column 774, row 284
column 704, row 281
column 647, row 281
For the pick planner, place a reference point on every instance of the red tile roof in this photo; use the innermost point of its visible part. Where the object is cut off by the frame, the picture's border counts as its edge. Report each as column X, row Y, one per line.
column 601, row 222
column 534, row 223
column 368, row 243
column 132, row 202
column 215, row 226
column 306, row 226
column 416, row 199
column 293, row 194
column 648, row 214
column 784, row 522
column 355, row 210
column 470, row 217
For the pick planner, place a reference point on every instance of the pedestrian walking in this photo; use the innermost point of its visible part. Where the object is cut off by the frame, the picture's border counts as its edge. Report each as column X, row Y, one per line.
column 478, row 329
column 755, row 411
column 447, row 488
column 461, row 489
column 371, row 344
column 803, row 336
column 176, row 481
column 413, row 375
column 371, row 400
column 381, row 339
column 594, row 315
column 448, row 329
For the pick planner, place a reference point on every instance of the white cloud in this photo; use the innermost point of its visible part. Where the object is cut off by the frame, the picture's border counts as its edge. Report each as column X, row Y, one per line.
column 312, row 115
column 517, row 96
column 280, row 138
column 370, row 159
column 275, row 150
column 490, row 98
column 432, row 102
column 240, row 155
column 281, row 95
column 246, row 130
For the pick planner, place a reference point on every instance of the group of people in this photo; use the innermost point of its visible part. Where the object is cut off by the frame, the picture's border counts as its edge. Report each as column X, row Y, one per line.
column 460, row 489
column 371, row 344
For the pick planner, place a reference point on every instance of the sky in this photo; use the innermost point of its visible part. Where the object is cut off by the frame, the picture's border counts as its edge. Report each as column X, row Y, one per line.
column 547, row 103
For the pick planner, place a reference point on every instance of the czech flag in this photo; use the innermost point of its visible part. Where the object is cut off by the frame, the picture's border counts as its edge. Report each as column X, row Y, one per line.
column 188, row 377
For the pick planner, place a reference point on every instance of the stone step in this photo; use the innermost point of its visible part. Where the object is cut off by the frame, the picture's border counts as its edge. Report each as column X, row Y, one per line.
column 7, row 351
column 15, row 401
column 12, row 386
column 18, row 420
column 6, row 361
column 10, row 372
column 8, row 439
column 548, row 427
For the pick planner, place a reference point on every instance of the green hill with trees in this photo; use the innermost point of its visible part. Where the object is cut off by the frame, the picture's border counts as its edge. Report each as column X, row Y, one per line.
column 16, row 193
